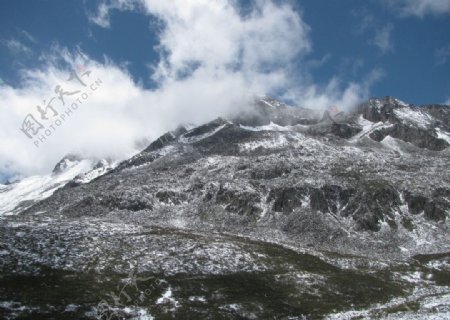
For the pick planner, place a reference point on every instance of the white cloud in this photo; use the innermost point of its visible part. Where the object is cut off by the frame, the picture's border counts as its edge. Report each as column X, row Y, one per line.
column 383, row 39
column 335, row 93
column 220, row 39
column 213, row 61
column 420, row 8
column 76, row 133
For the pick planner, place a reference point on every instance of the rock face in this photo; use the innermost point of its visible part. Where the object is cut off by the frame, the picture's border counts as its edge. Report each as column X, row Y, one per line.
column 373, row 182
column 420, row 126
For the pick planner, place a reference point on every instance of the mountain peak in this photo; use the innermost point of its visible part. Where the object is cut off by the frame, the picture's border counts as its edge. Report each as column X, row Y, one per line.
column 387, row 101
column 66, row 162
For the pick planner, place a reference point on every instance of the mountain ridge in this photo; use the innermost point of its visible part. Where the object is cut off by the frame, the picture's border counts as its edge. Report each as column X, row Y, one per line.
column 312, row 210
column 232, row 139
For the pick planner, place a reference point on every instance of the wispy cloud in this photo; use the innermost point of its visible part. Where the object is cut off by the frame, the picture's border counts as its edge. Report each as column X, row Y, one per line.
column 442, row 54
column 317, row 63
column 28, row 36
column 21, row 44
column 379, row 33
column 383, row 39
column 419, row 8
column 366, row 20
column 15, row 46
column 336, row 92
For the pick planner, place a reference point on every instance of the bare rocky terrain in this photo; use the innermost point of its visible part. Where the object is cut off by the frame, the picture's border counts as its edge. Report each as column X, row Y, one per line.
column 278, row 213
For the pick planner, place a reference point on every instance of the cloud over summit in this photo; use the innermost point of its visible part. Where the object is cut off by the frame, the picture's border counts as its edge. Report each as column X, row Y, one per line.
column 214, row 58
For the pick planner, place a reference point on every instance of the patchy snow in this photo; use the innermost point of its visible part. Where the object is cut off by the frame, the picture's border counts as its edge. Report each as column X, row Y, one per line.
column 166, row 151
column 271, row 102
column 99, row 245
column 132, row 313
column 138, row 314
column 71, row 308
column 167, row 298
column 38, row 187
column 414, row 116
column 95, row 173
column 232, row 307
column 12, row 305
column 368, row 127
column 194, row 139
column 392, row 143
column 413, row 277
column 443, row 135
column 433, row 302
column 268, row 143
column 15, row 309
column 376, row 103
column 197, row 299
column 189, row 126
column 91, row 175
column 442, row 265
column 401, row 103
column 269, row 127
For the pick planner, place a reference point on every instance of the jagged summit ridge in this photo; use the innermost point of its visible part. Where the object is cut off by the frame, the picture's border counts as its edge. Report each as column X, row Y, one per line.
column 423, row 127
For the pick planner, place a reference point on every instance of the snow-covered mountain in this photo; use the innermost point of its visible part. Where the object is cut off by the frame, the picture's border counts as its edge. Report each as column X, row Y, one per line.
column 280, row 212
column 21, row 194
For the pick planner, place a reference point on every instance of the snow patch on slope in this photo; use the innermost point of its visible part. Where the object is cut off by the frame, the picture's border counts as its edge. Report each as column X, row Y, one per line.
column 443, row 135
column 91, row 175
column 167, row 298
column 270, row 127
column 271, row 102
column 194, row 139
column 101, row 168
column 368, row 127
column 37, row 188
column 432, row 302
column 414, row 117
column 275, row 142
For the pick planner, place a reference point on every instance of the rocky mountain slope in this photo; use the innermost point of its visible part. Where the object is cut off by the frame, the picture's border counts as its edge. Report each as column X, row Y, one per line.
column 278, row 212
column 21, row 194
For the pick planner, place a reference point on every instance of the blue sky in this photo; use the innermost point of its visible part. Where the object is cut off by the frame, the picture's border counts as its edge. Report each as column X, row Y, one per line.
column 413, row 50
column 164, row 62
